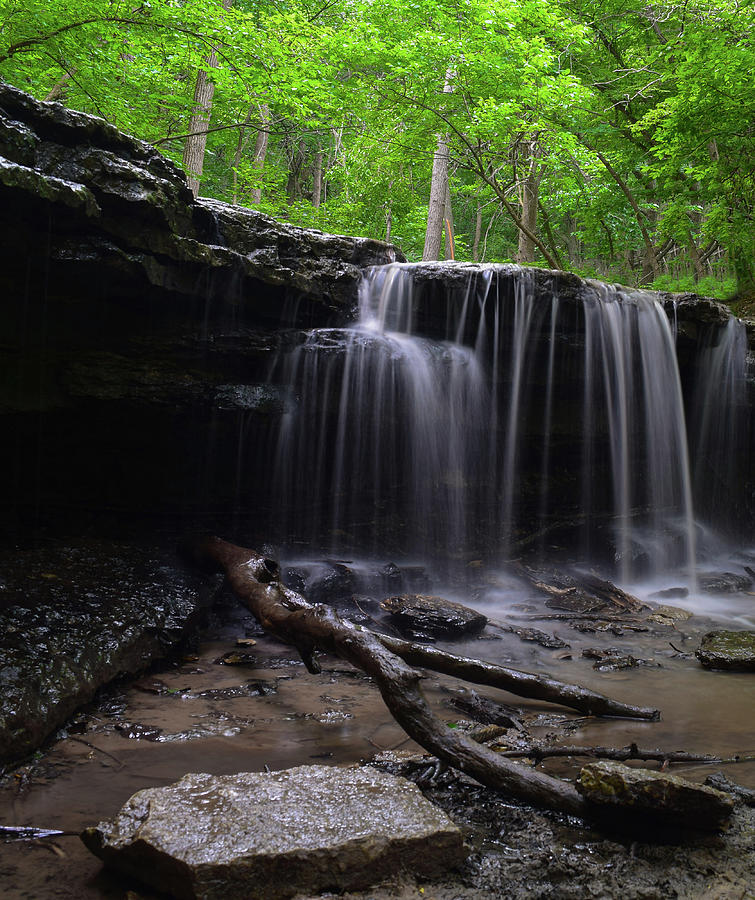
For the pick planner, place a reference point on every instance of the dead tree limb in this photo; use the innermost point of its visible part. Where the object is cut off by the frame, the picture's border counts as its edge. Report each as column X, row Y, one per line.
column 289, row 617
column 523, row 684
column 539, row 752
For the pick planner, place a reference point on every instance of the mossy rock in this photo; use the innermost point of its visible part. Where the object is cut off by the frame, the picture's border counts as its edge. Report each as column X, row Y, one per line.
column 733, row 650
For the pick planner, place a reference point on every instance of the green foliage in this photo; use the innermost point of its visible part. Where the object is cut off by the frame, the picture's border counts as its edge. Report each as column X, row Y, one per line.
column 637, row 121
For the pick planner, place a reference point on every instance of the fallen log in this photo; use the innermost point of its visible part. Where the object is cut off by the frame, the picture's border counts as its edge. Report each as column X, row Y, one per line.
column 523, row 684
column 539, row 752
column 289, row 617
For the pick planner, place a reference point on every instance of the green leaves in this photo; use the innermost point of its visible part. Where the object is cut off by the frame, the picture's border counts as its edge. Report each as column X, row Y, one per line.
column 642, row 122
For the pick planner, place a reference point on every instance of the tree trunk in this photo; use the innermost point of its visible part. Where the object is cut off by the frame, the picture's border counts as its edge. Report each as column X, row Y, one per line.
column 56, row 91
column 289, row 617
column 477, row 234
column 436, row 212
column 296, row 161
column 196, row 142
column 529, row 191
column 317, row 180
column 260, row 149
column 241, row 143
column 550, row 235
column 448, row 225
column 437, row 207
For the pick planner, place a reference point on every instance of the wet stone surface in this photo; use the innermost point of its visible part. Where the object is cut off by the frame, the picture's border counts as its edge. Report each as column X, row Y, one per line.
column 611, row 786
column 421, row 614
column 271, row 835
column 728, row 650
column 191, row 715
column 73, row 618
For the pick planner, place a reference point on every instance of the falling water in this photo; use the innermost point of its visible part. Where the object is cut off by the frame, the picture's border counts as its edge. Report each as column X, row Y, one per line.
column 445, row 423
column 633, row 380
column 719, row 429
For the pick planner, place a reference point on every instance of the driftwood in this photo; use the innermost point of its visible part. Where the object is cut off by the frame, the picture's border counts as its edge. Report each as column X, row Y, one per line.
column 523, row 684
column 580, row 592
column 539, row 752
column 289, row 617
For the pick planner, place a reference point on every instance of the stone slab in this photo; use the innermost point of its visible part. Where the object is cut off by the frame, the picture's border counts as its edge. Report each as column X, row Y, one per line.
column 265, row 836
column 670, row 799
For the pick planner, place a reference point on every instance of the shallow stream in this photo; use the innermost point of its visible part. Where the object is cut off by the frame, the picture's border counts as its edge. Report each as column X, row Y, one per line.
column 200, row 713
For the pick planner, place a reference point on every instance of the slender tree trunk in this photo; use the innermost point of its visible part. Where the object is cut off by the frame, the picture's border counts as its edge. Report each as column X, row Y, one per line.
column 243, row 140
column 389, row 214
column 56, row 91
column 260, row 149
column 477, row 234
column 448, row 224
column 573, row 250
column 549, row 233
column 437, row 207
column 649, row 257
column 438, row 191
column 293, row 185
column 529, row 192
column 317, row 180
column 196, row 142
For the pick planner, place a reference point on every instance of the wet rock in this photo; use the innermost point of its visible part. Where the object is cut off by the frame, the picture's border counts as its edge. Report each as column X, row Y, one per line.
column 549, row 641
column 674, row 593
column 333, row 586
column 272, row 835
column 740, row 793
column 131, row 212
column 236, row 658
column 616, row 787
column 434, row 615
column 728, row 650
column 612, row 659
column 724, row 582
column 669, row 615
column 136, row 731
column 72, row 619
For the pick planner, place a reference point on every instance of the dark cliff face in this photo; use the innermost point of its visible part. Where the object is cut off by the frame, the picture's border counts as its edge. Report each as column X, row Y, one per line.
column 138, row 323
column 140, row 329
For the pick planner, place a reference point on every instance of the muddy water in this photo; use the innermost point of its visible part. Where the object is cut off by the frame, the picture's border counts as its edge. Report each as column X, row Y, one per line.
column 267, row 711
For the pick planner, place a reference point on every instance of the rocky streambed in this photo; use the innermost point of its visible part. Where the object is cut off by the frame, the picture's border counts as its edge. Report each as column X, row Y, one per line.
column 232, row 699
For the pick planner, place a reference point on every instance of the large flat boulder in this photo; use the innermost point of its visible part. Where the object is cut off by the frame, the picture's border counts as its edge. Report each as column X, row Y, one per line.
column 264, row 836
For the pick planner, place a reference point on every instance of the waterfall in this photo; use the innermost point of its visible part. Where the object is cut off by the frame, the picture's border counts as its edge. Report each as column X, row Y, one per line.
column 719, row 428
column 448, row 422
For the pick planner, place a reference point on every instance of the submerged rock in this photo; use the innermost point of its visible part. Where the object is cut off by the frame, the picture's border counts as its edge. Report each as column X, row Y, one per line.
column 673, row 593
column 668, row 615
column 264, row 836
column 724, row 582
column 679, row 802
column 728, row 650
column 434, row 615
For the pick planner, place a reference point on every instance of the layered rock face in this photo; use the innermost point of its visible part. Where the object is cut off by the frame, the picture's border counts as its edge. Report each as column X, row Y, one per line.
column 134, row 318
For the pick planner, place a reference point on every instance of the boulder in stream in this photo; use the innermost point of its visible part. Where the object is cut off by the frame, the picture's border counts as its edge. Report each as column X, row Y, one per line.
column 627, row 792
column 265, row 836
column 421, row 613
column 728, row 650
column 724, row 582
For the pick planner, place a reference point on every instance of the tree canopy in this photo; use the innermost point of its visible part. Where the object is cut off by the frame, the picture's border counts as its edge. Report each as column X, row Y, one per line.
column 614, row 138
